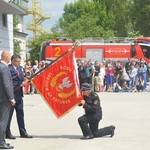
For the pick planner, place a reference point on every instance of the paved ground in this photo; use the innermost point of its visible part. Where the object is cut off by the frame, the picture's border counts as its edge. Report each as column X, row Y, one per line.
column 129, row 112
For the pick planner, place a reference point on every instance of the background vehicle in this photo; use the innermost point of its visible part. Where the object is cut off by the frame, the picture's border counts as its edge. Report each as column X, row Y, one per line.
column 99, row 49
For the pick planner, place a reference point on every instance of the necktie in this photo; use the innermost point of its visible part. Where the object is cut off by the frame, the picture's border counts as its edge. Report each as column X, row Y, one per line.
column 17, row 69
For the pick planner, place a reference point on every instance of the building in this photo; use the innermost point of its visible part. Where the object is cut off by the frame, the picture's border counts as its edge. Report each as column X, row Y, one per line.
column 8, row 8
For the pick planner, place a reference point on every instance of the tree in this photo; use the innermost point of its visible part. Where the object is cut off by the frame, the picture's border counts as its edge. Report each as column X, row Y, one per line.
column 84, row 18
column 105, row 18
column 17, row 48
column 141, row 16
column 121, row 13
column 57, row 31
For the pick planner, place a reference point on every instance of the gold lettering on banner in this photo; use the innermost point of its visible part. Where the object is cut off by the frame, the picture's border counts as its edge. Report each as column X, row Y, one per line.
column 65, row 68
column 47, row 81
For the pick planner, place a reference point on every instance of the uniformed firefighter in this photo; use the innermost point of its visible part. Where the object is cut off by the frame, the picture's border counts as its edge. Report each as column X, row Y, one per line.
column 89, row 122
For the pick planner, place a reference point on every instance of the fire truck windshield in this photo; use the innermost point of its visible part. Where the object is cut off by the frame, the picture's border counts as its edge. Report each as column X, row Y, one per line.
column 146, row 51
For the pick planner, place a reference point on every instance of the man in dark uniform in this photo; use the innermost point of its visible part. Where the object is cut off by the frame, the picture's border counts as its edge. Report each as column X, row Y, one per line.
column 18, row 79
column 93, row 114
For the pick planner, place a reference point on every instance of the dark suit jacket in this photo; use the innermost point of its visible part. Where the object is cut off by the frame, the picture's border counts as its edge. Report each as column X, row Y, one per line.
column 6, row 85
column 18, row 78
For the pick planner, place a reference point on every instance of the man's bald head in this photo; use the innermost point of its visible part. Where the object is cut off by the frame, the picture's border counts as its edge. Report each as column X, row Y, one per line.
column 6, row 56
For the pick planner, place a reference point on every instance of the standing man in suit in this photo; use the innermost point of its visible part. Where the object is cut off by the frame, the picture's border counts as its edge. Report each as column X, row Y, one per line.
column 18, row 81
column 6, row 97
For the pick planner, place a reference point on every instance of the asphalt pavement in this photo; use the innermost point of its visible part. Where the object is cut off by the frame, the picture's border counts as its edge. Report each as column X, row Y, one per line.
column 129, row 112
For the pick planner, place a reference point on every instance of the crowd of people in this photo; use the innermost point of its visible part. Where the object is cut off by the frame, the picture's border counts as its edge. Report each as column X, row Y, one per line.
column 31, row 68
column 114, row 76
column 111, row 76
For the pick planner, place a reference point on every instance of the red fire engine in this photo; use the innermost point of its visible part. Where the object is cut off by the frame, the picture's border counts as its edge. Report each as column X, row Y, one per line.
column 98, row 49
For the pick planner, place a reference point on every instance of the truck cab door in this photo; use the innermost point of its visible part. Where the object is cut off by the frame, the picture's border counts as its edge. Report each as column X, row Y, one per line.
column 133, row 51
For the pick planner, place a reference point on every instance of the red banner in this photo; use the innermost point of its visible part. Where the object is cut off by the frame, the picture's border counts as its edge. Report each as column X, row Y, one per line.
column 59, row 84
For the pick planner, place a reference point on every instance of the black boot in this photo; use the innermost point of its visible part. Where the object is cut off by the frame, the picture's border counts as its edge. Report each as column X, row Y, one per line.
column 10, row 136
column 105, row 131
column 112, row 130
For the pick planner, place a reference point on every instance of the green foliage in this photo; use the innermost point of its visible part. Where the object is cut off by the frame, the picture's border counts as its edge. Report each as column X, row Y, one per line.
column 105, row 18
column 85, row 18
column 56, row 30
column 141, row 16
column 134, row 34
column 17, row 48
column 120, row 10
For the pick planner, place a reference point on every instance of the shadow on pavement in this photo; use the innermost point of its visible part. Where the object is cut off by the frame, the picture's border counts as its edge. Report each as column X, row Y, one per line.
column 58, row 136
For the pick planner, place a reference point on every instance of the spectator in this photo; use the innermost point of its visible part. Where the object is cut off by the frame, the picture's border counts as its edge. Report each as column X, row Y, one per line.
column 109, row 77
column 27, row 75
column 34, row 70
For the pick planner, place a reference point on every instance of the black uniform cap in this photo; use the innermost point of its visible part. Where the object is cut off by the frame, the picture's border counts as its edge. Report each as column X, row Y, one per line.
column 86, row 87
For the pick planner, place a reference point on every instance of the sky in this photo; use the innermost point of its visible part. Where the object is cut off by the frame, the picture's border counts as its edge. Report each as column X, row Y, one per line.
column 54, row 8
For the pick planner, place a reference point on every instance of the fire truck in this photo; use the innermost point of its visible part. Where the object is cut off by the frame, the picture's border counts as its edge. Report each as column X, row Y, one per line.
column 99, row 50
